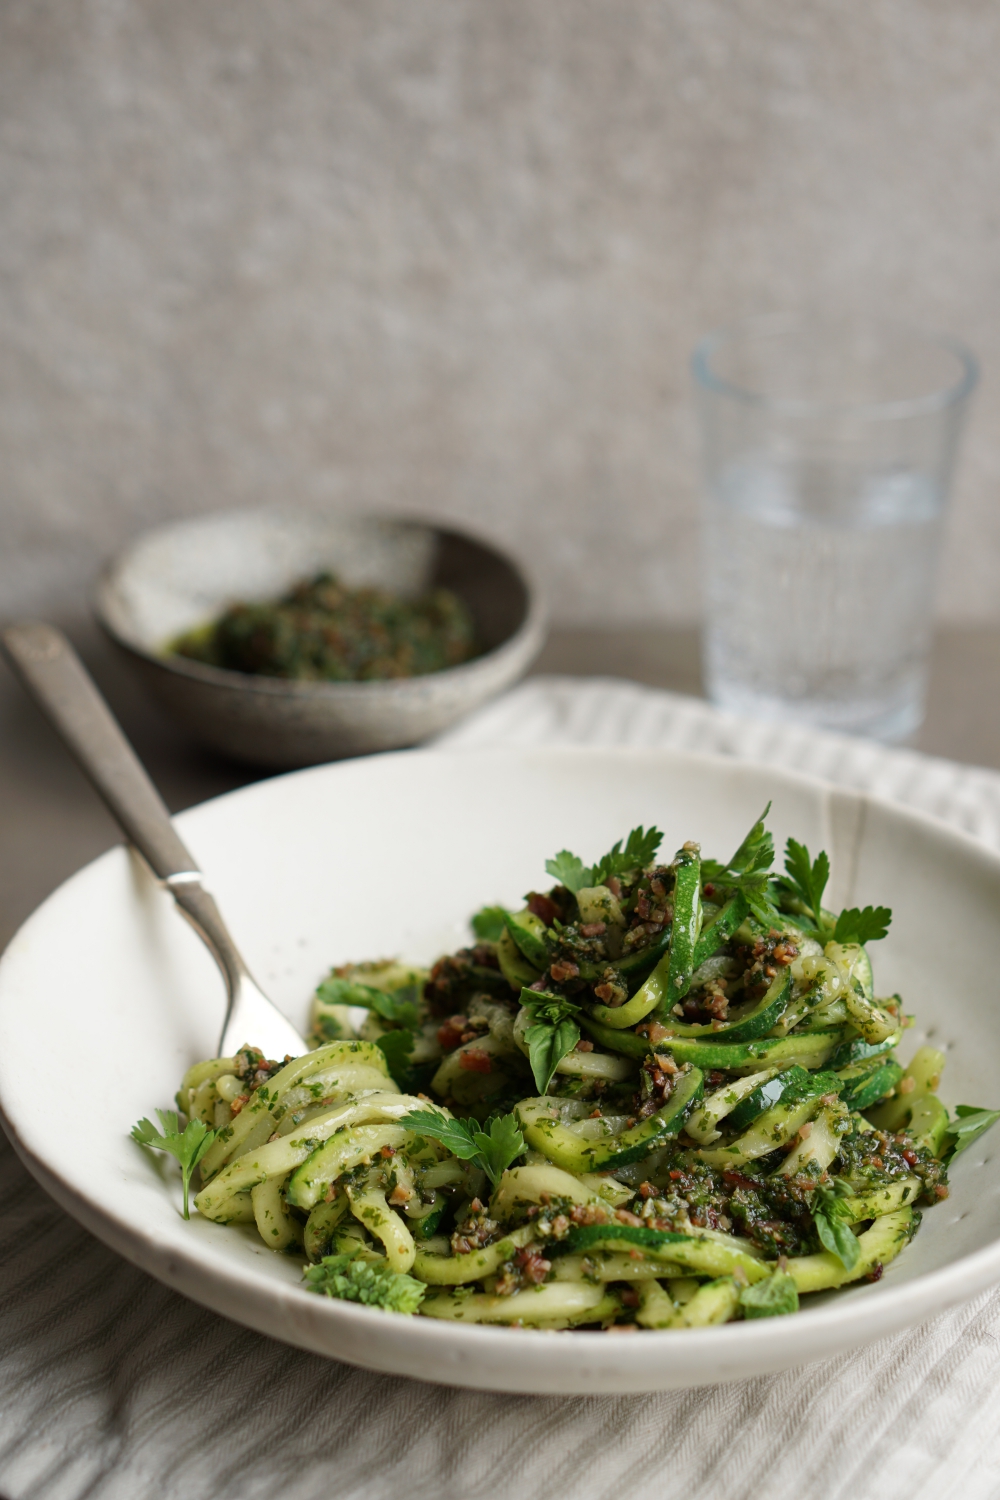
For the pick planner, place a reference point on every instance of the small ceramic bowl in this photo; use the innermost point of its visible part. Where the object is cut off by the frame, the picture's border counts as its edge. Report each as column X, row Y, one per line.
column 180, row 576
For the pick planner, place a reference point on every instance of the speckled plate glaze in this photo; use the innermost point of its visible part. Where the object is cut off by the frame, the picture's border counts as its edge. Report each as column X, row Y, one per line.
column 105, row 990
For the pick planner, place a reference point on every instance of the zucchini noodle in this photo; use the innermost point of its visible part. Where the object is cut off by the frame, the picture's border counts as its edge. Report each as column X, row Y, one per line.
column 662, row 1095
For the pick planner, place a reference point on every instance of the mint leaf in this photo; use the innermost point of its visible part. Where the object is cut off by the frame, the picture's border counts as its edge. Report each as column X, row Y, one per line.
column 188, row 1146
column 569, row 870
column 830, row 1216
column 867, row 926
column 351, row 1279
column 970, row 1124
column 492, row 1148
column 488, row 923
column 774, row 1297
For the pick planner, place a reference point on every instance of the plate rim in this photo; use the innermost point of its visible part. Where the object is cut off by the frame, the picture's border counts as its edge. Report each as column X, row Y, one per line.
column 835, row 1327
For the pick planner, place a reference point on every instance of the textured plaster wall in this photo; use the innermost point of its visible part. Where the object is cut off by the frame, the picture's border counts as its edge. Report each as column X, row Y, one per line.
column 451, row 255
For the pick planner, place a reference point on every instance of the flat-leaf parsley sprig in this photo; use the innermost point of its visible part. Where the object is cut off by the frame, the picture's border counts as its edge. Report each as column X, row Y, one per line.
column 639, row 851
column 491, row 1146
column 188, row 1145
column 805, row 881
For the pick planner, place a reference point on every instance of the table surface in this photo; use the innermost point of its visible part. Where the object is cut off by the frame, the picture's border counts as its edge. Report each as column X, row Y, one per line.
column 51, row 823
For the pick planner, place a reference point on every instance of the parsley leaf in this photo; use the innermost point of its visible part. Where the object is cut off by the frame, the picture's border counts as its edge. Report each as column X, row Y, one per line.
column 830, row 1216
column 488, row 923
column 569, row 870
column 491, row 1147
column 354, row 1280
column 867, row 926
column 773, row 1297
column 188, row 1145
column 806, row 880
column 552, row 1034
column 756, row 851
column 639, row 851
column 969, row 1125
column 399, row 1006
column 747, row 871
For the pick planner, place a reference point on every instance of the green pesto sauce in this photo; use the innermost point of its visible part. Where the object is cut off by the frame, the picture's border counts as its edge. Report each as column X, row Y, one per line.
column 323, row 631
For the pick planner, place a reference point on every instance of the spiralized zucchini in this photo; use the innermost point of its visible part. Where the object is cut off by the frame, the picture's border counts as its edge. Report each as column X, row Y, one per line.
column 662, row 1095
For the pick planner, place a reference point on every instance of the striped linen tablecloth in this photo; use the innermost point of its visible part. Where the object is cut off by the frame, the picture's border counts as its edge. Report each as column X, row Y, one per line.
column 114, row 1388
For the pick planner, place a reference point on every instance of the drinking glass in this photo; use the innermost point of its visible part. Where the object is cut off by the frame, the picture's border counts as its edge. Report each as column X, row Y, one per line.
column 829, row 449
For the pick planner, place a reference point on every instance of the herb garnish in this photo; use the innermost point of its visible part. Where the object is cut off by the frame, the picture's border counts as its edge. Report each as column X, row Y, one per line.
column 399, row 1006
column 188, row 1145
column 553, row 1032
column 831, row 1217
column 352, row 1279
column 491, row 1147
column 969, row 1125
column 805, row 883
column 748, row 871
column 639, row 851
column 488, row 923
column 773, row 1297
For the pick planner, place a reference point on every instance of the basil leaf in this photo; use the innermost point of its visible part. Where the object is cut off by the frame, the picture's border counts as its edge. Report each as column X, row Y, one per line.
column 548, row 1044
column 968, row 1127
column 774, row 1297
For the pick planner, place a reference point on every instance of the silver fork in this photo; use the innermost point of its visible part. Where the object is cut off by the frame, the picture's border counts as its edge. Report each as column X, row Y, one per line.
column 58, row 681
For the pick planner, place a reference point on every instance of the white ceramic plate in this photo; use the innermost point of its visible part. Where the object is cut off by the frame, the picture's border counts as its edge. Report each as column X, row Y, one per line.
column 106, row 997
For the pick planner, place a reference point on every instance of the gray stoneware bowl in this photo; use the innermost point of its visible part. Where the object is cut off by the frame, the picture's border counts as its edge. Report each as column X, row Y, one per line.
column 179, row 576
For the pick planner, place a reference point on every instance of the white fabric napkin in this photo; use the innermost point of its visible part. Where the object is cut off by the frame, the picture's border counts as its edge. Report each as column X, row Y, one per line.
column 114, row 1388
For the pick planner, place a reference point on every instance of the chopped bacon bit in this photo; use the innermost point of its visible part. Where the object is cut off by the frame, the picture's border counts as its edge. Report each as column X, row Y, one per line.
column 736, row 1179
column 910, row 1157
column 624, row 1217
column 875, row 1274
column 940, row 1191
column 657, row 1032
column 614, row 885
column 387, row 1151
column 589, row 1213
column 475, row 1060
column 237, row 1104
column 450, row 1034
column 647, row 1190
column 593, row 929
column 400, row 1195
column 532, row 1265
column 563, row 969
column 665, row 1063
column 805, row 1131
column 583, row 1045
column 542, row 906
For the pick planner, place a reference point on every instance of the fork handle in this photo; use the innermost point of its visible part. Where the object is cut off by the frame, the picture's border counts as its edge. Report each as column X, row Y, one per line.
column 56, row 678
column 59, row 682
